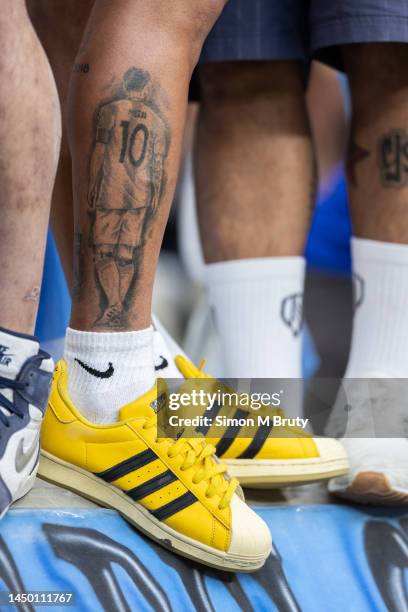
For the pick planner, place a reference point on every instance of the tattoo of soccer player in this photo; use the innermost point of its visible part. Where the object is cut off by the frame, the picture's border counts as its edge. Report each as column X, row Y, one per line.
column 393, row 158
column 127, row 179
column 356, row 154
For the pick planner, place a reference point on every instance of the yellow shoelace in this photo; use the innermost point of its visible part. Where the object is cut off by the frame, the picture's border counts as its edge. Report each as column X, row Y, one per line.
column 200, row 455
column 199, row 373
column 190, row 371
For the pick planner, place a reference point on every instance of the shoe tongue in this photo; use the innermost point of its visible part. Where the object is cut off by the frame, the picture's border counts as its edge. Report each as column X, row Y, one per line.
column 146, row 405
column 14, row 352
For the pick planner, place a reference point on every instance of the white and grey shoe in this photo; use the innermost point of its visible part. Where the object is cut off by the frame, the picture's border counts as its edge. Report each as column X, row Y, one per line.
column 371, row 417
column 25, row 382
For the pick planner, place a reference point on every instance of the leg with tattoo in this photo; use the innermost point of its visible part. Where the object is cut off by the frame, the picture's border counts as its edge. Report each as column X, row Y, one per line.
column 126, row 113
column 378, row 187
column 60, row 30
column 125, row 140
column 125, row 144
column 126, row 185
column 378, row 151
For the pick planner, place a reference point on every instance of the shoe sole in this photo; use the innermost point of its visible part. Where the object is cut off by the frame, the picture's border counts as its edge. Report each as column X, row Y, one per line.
column 373, row 488
column 75, row 479
column 273, row 474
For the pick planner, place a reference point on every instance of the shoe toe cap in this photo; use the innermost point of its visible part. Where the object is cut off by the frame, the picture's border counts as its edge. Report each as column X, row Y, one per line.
column 250, row 536
column 330, row 449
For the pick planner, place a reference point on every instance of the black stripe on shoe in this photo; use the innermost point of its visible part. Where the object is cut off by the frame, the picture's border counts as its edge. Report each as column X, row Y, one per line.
column 174, row 506
column 257, row 442
column 152, row 485
column 230, row 434
column 211, row 414
column 129, row 465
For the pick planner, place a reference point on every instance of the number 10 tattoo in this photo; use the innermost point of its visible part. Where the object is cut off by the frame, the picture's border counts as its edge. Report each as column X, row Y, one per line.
column 127, row 179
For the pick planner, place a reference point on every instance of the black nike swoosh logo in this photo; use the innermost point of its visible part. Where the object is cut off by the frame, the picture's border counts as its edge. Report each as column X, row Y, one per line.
column 163, row 365
column 107, row 374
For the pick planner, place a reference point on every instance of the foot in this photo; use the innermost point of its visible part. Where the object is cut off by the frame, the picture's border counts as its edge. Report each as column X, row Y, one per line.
column 284, row 456
column 378, row 465
column 173, row 491
column 23, row 400
column 378, row 472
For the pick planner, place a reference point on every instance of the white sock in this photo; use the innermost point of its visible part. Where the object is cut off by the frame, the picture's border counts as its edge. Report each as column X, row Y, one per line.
column 379, row 346
column 257, row 304
column 165, row 349
column 108, row 370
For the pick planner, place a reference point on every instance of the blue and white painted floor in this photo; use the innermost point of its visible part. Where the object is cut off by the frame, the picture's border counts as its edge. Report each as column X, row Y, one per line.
column 326, row 557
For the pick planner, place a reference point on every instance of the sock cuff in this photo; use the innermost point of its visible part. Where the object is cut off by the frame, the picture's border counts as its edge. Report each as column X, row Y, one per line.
column 254, row 269
column 15, row 334
column 375, row 251
column 76, row 340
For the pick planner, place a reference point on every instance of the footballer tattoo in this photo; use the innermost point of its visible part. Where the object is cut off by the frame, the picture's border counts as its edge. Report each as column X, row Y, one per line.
column 127, row 179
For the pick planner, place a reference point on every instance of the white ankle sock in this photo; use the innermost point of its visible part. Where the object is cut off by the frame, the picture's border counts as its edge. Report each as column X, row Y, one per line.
column 257, row 305
column 379, row 344
column 165, row 350
column 108, row 370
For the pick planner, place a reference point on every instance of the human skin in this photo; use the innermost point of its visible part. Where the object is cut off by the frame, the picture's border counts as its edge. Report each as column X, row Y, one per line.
column 143, row 37
column 29, row 149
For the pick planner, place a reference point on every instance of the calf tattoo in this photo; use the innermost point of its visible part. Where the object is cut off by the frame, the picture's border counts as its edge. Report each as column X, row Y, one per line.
column 127, row 178
column 393, row 158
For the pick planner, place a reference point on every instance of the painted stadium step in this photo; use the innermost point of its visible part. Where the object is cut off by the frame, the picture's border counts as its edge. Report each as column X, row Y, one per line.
column 332, row 558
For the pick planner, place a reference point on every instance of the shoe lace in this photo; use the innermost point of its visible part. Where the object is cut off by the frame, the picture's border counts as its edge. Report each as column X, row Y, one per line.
column 14, row 385
column 200, row 456
column 199, row 373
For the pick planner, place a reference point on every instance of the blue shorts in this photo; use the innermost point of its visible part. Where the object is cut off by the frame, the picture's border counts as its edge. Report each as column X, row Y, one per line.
column 302, row 29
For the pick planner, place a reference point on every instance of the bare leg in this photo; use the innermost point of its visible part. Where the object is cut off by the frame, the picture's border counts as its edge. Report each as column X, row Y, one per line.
column 60, row 27
column 378, row 187
column 29, row 148
column 378, row 182
column 125, row 142
column 255, row 174
column 253, row 141
column 60, row 30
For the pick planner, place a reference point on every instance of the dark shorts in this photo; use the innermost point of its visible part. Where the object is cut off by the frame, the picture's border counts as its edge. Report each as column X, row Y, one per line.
column 301, row 29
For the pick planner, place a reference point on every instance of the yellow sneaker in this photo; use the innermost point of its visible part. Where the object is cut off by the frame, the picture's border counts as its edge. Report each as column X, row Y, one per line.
column 173, row 491
column 274, row 457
